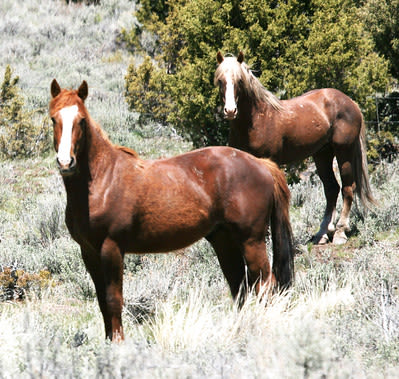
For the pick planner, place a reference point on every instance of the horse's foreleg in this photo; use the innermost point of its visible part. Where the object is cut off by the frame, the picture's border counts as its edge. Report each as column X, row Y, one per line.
column 112, row 269
column 230, row 260
column 92, row 262
column 323, row 161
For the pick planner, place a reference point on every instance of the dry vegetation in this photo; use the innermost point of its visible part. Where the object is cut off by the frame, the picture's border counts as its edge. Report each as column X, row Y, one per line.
column 340, row 319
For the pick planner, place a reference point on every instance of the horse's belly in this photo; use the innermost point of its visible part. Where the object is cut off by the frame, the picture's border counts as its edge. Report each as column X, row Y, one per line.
column 302, row 145
column 167, row 231
column 155, row 241
column 292, row 154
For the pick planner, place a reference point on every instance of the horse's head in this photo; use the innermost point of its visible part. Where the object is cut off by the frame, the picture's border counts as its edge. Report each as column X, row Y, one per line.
column 228, row 77
column 68, row 114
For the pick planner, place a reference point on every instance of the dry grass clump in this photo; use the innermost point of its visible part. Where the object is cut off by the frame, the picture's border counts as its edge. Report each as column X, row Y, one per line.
column 16, row 283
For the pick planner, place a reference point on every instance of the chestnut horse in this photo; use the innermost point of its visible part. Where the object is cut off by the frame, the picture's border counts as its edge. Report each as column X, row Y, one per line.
column 118, row 203
column 323, row 123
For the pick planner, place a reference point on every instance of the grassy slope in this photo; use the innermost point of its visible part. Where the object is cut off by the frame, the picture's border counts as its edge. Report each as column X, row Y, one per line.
column 340, row 319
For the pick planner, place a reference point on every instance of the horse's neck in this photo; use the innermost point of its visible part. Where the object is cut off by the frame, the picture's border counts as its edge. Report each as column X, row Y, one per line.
column 93, row 160
column 99, row 150
column 247, row 110
column 252, row 118
column 240, row 126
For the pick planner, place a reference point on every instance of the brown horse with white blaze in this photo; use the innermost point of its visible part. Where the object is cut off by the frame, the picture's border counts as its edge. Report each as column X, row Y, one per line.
column 118, row 203
column 323, row 123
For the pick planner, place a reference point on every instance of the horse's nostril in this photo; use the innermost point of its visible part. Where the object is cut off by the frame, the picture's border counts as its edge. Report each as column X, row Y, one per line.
column 66, row 166
column 230, row 113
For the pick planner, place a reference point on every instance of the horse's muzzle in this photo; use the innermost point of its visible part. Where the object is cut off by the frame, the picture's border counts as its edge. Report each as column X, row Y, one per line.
column 230, row 114
column 67, row 169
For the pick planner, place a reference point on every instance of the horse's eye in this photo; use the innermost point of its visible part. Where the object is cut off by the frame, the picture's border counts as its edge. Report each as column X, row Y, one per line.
column 53, row 120
column 82, row 122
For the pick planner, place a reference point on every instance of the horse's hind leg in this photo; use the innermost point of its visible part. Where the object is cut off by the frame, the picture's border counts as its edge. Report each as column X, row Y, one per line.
column 345, row 159
column 323, row 160
column 230, row 259
column 259, row 269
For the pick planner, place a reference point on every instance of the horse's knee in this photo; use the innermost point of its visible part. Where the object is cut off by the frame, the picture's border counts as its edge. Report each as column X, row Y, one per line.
column 114, row 301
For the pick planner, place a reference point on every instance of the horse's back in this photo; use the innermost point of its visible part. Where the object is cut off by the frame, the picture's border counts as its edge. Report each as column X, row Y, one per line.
column 236, row 183
column 222, row 168
column 322, row 116
column 331, row 101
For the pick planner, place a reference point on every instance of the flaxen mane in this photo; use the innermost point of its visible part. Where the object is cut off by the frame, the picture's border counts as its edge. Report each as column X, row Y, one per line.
column 249, row 82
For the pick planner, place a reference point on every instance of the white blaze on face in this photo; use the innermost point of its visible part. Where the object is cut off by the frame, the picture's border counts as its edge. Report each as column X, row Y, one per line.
column 230, row 101
column 68, row 114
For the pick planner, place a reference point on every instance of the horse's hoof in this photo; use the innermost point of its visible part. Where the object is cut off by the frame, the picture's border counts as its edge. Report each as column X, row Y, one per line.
column 323, row 240
column 340, row 237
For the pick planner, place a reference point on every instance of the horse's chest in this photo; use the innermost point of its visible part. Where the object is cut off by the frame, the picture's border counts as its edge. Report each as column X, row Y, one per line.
column 264, row 140
column 77, row 226
column 82, row 228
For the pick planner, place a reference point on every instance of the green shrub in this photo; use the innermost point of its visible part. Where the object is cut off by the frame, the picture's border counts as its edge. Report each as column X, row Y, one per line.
column 381, row 146
column 147, row 90
column 20, row 137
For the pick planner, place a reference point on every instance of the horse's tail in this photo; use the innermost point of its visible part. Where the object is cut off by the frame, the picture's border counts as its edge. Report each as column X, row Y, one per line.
column 360, row 170
column 283, row 251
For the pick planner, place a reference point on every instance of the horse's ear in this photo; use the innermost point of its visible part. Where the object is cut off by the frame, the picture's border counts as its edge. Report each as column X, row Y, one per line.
column 240, row 57
column 55, row 88
column 219, row 57
column 83, row 90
